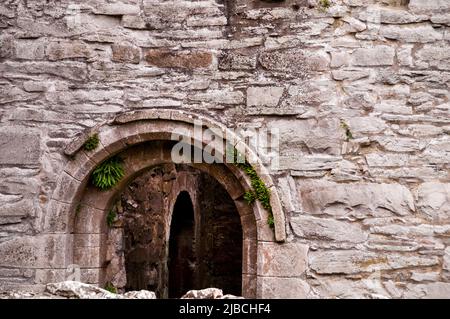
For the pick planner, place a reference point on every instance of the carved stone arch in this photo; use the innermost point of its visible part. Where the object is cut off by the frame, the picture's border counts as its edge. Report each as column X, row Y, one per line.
column 79, row 209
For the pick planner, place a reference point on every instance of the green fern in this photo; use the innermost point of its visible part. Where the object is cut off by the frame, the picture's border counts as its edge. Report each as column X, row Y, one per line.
column 108, row 173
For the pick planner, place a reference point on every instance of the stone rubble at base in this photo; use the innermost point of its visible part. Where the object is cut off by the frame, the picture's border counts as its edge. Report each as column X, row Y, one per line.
column 79, row 290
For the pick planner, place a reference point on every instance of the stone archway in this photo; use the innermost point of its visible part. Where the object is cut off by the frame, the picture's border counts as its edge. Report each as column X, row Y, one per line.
column 79, row 209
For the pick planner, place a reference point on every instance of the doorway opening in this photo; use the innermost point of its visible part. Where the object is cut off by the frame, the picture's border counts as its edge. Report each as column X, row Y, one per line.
column 182, row 259
column 176, row 229
column 144, row 139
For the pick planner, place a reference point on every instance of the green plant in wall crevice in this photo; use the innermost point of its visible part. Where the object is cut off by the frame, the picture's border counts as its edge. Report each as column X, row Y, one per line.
column 324, row 5
column 91, row 143
column 259, row 190
column 111, row 217
column 77, row 208
column 107, row 174
column 348, row 132
column 110, row 287
column 250, row 197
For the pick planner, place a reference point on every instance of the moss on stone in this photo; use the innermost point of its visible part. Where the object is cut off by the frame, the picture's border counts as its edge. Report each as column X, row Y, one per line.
column 259, row 190
column 348, row 133
column 110, row 287
column 111, row 217
column 324, row 4
column 91, row 143
column 250, row 197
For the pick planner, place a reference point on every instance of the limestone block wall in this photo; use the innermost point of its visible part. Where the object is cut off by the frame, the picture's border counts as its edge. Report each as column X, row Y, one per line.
column 359, row 91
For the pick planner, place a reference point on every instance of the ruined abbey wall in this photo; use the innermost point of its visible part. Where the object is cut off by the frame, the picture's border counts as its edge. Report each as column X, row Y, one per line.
column 359, row 91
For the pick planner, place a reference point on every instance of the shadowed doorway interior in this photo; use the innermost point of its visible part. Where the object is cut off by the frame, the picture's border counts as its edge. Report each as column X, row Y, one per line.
column 176, row 229
column 182, row 260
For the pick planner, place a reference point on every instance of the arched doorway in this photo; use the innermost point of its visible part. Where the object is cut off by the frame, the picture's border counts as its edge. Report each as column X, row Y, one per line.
column 79, row 209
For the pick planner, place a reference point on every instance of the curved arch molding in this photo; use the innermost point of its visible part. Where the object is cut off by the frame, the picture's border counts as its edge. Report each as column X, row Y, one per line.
column 142, row 126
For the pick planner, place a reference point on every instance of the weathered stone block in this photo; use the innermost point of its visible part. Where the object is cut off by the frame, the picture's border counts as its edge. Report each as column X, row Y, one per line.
column 446, row 264
column 357, row 261
column 32, row 86
column 133, row 22
column 287, row 259
column 320, row 89
column 322, row 136
column 399, row 144
column 67, row 50
column 355, row 25
column 295, row 61
column 288, row 194
column 126, row 53
column 71, row 70
column 87, row 256
column 57, row 218
column 419, row 34
column 420, row 130
column 390, row 160
column 377, row 56
column 67, row 189
column 114, row 9
column 327, row 229
column 10, row 94
column 173, row 14
column 309, row 162
column 433, row 56
column 392, row 106
column 350, row 75
column 404, row 55
column 434, row 201
column 428, row 7
column 341, row 288
column 389, row 16
column 29, row 151
column 89, row 220
column 435, row 290
column 30, row 49
column 235, row 61
column 339, row 59
column 44, row 251
column 264, row 96
column 205, row 22
column 367, row 124
column 17, row 209
column 441, row 18
column 175, row 59
column 283, row 288
column 219, row 97
column 356, row 200
column 6, row 46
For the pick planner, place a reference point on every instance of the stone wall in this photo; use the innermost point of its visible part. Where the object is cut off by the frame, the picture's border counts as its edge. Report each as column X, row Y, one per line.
column 359, row 92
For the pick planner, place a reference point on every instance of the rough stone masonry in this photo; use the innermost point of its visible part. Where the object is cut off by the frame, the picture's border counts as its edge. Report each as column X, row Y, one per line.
column 358, row 89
